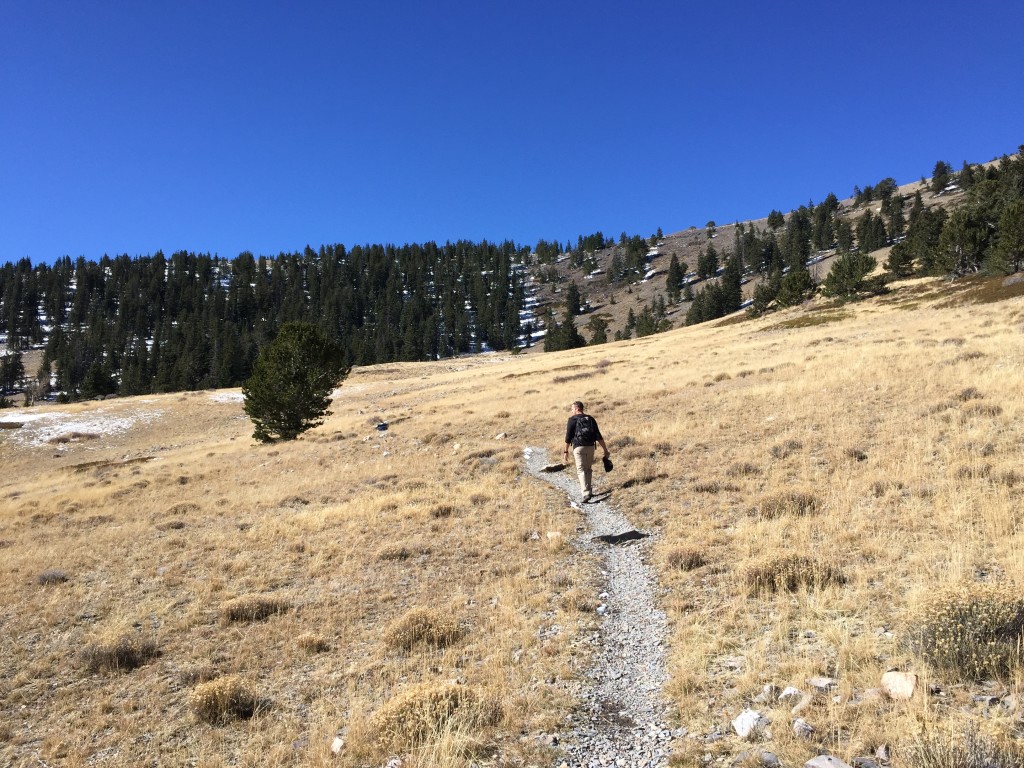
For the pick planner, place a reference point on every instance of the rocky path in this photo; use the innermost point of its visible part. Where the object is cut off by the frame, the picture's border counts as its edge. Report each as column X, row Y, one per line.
column 622, row 718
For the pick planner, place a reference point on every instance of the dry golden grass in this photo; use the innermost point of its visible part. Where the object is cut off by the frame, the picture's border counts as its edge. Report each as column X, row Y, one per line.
column 902, row 417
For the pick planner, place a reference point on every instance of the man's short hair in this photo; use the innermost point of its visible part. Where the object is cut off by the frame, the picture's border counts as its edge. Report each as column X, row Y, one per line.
column 578, row 404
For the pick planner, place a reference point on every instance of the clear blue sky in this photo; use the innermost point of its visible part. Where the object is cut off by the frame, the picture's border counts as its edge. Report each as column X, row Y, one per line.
column 136, row 126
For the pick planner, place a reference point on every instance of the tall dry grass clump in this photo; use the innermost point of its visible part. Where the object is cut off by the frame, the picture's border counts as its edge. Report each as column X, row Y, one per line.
column 423, row 625
column 431, row 713
column 223, row 700
column 119, row 653
column 788, row 573
column 795, row 503
column 252, row 608
column 972, row 631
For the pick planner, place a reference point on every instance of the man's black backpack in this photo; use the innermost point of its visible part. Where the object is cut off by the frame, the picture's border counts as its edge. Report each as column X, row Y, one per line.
column 586, row 430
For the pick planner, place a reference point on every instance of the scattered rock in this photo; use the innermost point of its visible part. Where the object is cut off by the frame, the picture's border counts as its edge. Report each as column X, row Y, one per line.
column 767, row 694
column 899, row 685
column 501, row 436
column 749, row 722
column 822, row 683
column 826, row 761
column 803, row 704
column 337, row 745
column 802, row 729
column 790, row 694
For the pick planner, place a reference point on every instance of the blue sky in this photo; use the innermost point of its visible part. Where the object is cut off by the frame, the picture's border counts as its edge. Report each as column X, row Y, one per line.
column 131, row 127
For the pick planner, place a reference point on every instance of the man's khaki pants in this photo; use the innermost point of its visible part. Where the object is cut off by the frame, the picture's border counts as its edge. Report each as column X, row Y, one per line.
column 584, row 455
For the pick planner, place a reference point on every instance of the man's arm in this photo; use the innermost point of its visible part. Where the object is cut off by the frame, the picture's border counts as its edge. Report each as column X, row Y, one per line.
column 600, row 441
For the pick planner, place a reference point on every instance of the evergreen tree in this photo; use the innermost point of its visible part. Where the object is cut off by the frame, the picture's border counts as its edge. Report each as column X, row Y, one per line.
column 776, row 220
column 962, row 243
column 598, row 330
column 848, row 275
column 941, row 176
column 572, row 300
column 292, row 379
column 1009, row 255
column 674, row 279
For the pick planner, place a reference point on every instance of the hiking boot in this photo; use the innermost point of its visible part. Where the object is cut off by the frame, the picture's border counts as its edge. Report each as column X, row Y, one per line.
column 587, row 497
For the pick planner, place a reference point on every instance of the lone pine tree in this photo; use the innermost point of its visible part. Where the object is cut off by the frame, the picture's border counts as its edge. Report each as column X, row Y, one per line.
column 292, row 378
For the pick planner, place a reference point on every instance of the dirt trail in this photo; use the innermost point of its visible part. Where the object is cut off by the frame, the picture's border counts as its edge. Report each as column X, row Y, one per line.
column 622, row 716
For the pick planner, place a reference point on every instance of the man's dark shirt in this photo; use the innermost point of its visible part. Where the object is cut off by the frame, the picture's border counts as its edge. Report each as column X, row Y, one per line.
column 570, row 430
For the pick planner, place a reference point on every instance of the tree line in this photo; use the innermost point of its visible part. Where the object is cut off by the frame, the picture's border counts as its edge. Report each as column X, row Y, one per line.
column 161, row 323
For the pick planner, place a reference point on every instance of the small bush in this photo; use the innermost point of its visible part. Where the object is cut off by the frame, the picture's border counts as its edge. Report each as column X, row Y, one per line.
column 796, row 503
column 974, row 631
column 224, row 699
column 787, row 448
column 742, row 469
column 422, row 714
column 51, row 576
column 439, row 511
column 790, row 573
column 856, row 454
column 121, row 654
column 422, row 625
column 251, row 608
column 971, row 749
column 685, row 559
column 708, row 486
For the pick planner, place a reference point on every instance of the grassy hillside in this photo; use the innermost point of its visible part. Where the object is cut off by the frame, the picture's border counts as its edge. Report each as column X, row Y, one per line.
column 172, row 593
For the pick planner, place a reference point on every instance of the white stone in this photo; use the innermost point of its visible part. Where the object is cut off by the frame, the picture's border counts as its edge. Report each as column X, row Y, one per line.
column 748, row 722
column 337, row 745
column 826, row 761
column 899, row 685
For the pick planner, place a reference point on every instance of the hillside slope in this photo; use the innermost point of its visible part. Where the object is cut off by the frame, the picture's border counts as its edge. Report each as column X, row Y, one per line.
column 813, row 480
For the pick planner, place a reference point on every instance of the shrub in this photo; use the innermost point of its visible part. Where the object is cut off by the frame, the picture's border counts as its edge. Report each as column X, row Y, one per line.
column 120, row 654
column 422, row 625
column 423, row 713
column 742, row 469
column 51, row 576
column 686, row 559
column 970, row 749
column 796, row 503
column 974, row 631
column 251, row 608
column 790, row 573
column 783, row 450
column 224, row 699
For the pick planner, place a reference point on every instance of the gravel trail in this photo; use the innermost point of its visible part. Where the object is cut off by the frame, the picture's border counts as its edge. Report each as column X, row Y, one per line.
column 622, row 719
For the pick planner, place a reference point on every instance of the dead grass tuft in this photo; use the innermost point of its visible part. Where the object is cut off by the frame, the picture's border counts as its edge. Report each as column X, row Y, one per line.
column 119, row 654
column 423, row 625
column 686, row 559
column 311, row 642
column 252, row 608
column 223, row 700
column 51, row 576
column 579, row 601
column 972, row 631
column 424, row 713
column 742, row 469
column 793, row 503
column 786, row 448
column 788, row 573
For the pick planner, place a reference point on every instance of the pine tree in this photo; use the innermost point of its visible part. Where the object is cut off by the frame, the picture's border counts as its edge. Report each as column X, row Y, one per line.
column 288, row 391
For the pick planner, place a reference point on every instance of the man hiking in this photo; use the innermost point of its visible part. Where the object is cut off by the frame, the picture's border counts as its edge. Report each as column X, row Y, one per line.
column 582, row 433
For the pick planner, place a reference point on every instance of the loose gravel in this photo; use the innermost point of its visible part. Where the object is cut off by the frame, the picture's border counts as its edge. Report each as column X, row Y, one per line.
column 622, row 719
